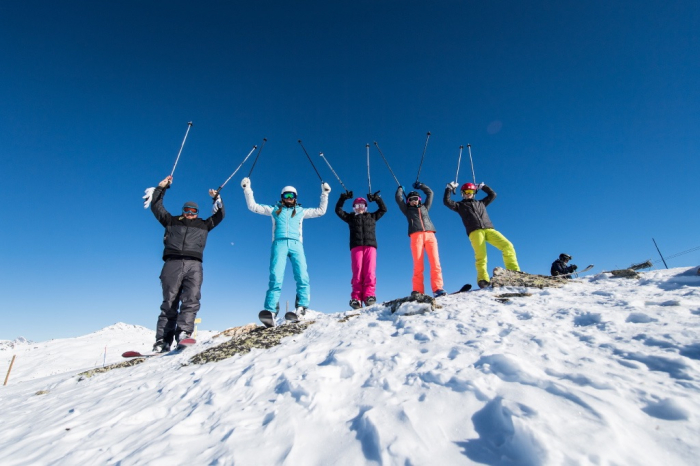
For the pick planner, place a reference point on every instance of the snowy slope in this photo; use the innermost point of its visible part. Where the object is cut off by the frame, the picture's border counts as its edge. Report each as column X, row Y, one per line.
column 602, row 371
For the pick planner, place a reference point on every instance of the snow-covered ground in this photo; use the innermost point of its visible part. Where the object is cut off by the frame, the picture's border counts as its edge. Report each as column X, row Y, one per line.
column 602, row 371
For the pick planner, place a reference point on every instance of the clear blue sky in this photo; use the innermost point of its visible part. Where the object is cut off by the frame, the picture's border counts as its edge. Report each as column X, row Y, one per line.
column 584, row 117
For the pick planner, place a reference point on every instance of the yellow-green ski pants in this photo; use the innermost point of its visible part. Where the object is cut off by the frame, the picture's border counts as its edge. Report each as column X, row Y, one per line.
column 479, row 238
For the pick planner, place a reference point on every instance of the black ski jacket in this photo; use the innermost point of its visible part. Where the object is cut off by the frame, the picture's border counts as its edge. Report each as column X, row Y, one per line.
column 473, row 212
column 418, row 217
column 362, row 226
column 560, row 268
column 183, row 237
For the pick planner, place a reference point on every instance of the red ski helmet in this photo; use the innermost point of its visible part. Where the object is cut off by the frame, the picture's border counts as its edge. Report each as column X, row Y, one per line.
column 471, row 186
column 359, row 200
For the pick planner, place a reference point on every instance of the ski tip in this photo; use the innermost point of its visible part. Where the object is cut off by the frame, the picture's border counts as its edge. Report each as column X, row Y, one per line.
column 187, row 342
column 132, row 354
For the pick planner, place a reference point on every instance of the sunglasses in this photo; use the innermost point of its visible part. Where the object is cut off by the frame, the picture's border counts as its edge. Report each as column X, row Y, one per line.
column 289, row 196
column 190, row 210
column 468, row 191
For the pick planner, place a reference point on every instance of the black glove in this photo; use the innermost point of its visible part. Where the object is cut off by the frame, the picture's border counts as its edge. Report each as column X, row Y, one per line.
column 346, row 195
column 417, row 185
column 574, row 267
column 373, row 197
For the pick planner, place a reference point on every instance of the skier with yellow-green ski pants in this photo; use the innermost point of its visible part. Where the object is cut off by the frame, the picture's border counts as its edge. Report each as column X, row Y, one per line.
column 479, row 228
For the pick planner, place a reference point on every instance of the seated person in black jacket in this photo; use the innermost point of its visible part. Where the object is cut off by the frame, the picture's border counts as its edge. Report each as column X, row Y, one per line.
column 559, row 266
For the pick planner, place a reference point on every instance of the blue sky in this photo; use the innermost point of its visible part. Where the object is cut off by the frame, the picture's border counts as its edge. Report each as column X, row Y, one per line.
column 583, row 116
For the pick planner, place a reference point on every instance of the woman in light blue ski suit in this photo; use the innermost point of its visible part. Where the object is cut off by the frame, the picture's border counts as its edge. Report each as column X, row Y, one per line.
column 287, row 241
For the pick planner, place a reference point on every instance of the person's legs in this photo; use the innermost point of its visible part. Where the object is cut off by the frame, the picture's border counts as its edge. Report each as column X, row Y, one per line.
column 356, row 259
column 499, row 241
column 278, row 261
column 417, row 242
column 369, row 272
column 431, row 248
column 190, row 295
column 301, row 274
column 171, row 281
column 478, row 240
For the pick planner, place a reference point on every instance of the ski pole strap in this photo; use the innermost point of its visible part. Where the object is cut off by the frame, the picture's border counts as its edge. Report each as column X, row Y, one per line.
column 257, row 157
column 423, row 156
column 387, row 163
column 189, row 125
column 310, row 161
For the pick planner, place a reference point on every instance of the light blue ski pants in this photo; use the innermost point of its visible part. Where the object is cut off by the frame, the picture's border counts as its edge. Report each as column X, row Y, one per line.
column 281, row 249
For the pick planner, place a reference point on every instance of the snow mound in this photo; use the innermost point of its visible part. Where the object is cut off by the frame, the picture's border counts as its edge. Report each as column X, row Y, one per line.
column 601, row 371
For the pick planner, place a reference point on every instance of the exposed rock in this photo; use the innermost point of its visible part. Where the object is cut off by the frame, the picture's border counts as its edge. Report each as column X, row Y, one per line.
column 502, row 277
column 625, row 273
column 244, row 341
column 348, row 317
column 42, row 392
column 643, row 265
column 100, row 370
column 236, row 331
column 505, row 297
column 417, row 298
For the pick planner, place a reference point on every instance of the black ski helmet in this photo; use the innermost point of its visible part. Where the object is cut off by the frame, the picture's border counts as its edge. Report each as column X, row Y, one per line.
column 414, row 194
column 564, row 257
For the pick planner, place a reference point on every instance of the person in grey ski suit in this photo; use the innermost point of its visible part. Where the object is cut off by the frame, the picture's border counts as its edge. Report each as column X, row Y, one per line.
column 181, row 278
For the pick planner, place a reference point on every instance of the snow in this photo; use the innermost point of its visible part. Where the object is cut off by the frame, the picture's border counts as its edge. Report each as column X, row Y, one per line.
column 602, row 371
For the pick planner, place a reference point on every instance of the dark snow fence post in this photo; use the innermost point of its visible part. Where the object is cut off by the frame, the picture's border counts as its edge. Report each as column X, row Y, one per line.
column 10, row 369
column 657, row 248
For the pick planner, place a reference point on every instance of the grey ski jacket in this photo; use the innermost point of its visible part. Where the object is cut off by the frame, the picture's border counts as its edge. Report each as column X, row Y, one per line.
column 473, row 212
column 418, row 217
column 183, row 237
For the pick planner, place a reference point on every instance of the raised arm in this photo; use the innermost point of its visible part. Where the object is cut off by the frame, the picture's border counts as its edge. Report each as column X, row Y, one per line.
column 399, row 199
column 428, row 195
column 452, row 205
column 253, row 206
column 382, row 208
column 162, row 215
column 339, row 206
column 323, row 205
column 220, row 213
column 490, row 194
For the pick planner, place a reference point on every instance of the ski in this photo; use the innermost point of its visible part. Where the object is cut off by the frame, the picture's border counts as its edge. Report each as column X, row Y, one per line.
column 464, row 289
column 267, row 318
column 180, row 346
column 576, row 271
column 291, row 317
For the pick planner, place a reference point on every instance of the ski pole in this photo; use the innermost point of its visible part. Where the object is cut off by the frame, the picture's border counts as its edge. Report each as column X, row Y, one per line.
column 216, row 195
column 387, row 164
column 454, row 190
column 423, row 156
column 369, row 180
column 469, row 146
column 189, row 125
column 256, row 157
column 336, row 175
column 311, row 161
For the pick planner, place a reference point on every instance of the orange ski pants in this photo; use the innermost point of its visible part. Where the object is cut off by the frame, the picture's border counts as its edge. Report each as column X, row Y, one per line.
column 425, row 241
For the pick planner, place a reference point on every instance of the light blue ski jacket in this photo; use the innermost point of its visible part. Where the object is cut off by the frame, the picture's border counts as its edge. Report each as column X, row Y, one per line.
column 286, row 221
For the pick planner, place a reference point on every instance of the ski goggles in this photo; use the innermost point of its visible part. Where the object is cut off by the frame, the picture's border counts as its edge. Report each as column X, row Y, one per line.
column 413, row 198
column 289, row 195
column 468, row 191
column 190, row 210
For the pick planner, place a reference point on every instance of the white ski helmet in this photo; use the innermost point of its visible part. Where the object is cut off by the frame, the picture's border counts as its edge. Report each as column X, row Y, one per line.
column 289, row 189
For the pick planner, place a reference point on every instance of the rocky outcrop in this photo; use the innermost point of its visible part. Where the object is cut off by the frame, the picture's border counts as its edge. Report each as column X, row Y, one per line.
column 247, row 338
column 415, row 298
column 502, row 277
column 625, row 273
column 100, row 370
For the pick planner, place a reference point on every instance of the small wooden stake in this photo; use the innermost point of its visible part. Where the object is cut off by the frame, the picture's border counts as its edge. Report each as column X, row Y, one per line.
column 10, row 369
column 196, row 321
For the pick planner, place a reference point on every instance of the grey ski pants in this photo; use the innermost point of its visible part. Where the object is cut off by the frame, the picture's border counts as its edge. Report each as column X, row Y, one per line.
column 181, row 280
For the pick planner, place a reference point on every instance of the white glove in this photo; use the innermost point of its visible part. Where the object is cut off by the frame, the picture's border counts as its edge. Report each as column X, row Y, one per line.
column 245, row 183
column 148, row 197
column 480, row 185
column 452, row 186
column 217, row 205
column 326, row 188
